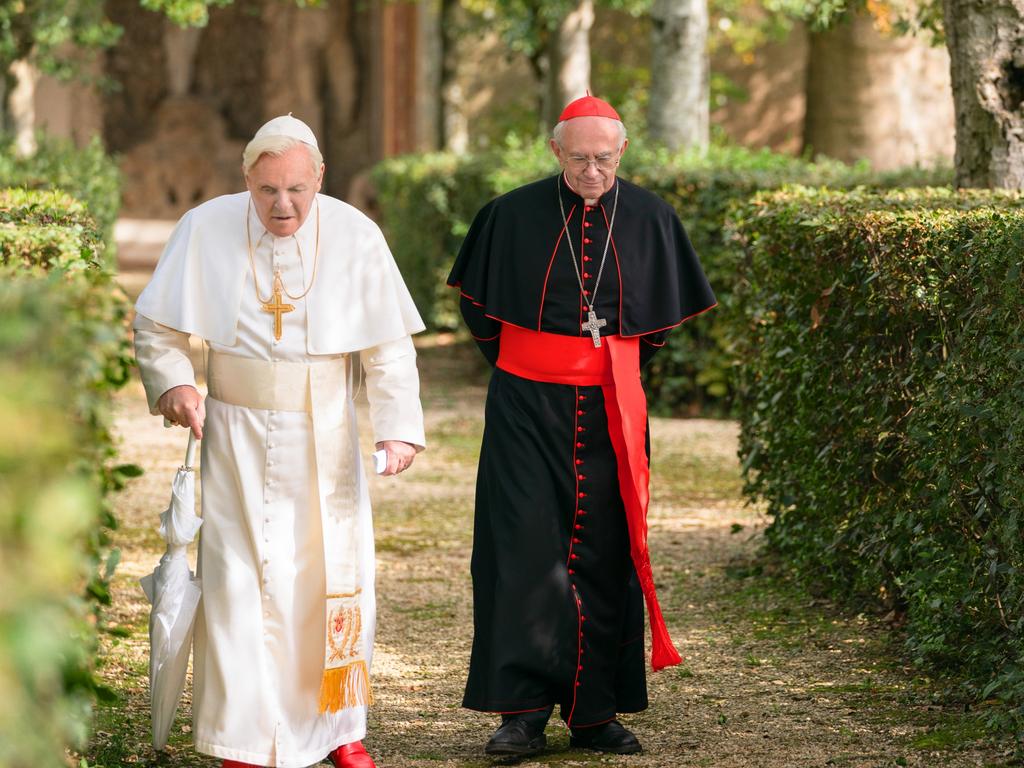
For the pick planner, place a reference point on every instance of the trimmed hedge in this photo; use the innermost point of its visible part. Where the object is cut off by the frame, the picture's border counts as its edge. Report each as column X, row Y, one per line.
column 882, row 424
column 428, row 202
column 87, row 174
column 63, row 350
column 42, row 231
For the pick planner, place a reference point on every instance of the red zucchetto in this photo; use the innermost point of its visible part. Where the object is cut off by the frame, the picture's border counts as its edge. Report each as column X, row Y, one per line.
column 589, row 106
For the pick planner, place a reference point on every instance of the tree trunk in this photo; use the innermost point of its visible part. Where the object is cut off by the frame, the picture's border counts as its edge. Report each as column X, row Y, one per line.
column 568, row 71
column 986, row 48
column 429, row 100
column 539, row 62
column 6, row 84
column 678, row 111
column 453, row 128
column 21, row 107
column 877, row 97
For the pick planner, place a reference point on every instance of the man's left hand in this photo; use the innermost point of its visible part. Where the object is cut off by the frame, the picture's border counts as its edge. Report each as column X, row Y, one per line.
column 400, row 455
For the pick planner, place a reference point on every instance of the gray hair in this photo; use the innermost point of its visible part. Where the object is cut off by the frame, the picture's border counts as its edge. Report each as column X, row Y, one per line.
column 556, row 132
column 277, row 146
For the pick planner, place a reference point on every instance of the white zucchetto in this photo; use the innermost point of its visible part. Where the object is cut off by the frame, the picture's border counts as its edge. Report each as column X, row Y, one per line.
column 286, row 125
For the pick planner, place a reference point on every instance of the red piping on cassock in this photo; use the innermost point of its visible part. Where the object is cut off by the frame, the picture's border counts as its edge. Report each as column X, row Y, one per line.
column 547, row 275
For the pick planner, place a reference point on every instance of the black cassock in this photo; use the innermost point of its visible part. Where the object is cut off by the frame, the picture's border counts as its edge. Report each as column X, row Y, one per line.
column 558, row 612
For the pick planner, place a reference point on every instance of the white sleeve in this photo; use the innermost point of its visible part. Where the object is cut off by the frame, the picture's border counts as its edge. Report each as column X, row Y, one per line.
column 393, row 389
column 163, row 356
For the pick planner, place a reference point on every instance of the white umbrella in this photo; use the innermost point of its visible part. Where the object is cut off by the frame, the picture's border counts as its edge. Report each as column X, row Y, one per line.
column 174, row 592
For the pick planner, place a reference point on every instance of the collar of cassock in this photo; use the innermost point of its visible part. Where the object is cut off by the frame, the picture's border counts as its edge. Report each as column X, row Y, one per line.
column 572, row 197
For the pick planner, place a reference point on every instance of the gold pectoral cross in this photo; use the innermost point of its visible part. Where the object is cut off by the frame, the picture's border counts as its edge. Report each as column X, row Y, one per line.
column 277, row 307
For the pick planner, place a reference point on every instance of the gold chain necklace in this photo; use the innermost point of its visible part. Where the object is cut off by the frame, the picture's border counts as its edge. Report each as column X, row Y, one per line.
column 274, row 304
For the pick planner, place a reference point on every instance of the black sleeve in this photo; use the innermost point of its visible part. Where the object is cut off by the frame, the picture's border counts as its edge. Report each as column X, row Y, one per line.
column 486, row 331
column 650, row 344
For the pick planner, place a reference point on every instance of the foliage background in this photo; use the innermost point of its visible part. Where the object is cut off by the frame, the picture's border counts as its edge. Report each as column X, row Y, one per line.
column 63, row 350
column 880, row 404
column 87, row 174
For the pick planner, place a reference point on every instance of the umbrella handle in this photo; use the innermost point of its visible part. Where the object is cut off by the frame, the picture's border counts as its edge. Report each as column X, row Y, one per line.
column 190, row 452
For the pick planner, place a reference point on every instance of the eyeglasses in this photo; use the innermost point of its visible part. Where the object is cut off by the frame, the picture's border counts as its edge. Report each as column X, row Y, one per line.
column 604, row 162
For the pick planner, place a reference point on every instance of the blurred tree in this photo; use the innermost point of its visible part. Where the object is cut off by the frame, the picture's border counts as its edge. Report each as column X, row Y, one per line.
column 58, row 37
column 985, row 40
column 568, row 60
column 554, row 36
column 452, row 126
column 678, row 113
column 62, row 38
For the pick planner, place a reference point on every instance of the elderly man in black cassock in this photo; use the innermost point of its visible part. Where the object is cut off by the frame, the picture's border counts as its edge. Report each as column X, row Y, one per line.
column 569, row 285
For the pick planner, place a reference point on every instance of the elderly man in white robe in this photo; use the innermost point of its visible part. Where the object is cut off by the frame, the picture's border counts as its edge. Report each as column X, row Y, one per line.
column 297, row 299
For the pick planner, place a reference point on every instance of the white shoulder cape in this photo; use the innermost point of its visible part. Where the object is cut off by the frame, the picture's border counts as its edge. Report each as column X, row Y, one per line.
column 357, row 301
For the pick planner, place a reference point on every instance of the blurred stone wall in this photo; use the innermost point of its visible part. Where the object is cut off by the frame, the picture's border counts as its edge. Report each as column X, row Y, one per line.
column 187, row 101
column 765, row 101
column 887, row 99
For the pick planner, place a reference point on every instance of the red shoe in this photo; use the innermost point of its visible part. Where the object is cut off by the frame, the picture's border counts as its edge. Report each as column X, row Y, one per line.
column 236, row 764
column 352, row 755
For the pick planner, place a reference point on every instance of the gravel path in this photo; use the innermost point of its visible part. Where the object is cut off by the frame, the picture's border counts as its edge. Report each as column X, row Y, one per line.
column 771, row 677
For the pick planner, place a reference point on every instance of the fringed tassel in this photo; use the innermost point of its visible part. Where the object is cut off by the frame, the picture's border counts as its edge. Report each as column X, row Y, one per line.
column 663, row 652
column 345, row 687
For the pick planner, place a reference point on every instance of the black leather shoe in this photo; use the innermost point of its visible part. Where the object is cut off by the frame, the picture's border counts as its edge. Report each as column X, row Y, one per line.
column 516, row 737
column 609, row 737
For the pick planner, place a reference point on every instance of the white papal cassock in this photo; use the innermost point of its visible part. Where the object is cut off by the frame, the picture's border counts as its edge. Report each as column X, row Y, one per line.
column 260, row 633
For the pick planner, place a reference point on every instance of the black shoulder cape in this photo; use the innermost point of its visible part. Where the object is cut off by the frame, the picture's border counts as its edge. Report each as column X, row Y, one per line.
column 516, row 250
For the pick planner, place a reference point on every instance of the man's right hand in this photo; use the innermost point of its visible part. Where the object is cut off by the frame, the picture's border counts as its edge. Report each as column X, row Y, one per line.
column 183, row 406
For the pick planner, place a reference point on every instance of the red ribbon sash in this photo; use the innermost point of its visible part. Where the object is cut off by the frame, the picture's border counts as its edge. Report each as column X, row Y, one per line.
column 615, row 367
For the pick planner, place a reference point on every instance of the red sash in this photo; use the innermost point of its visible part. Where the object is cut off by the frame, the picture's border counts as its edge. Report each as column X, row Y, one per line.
column 615, row 367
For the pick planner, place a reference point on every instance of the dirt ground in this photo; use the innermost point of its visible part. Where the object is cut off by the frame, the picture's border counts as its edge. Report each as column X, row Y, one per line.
column 771, row 677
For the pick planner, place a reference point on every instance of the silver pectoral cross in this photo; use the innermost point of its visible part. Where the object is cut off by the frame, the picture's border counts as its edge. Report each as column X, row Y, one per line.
column 594, row 326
